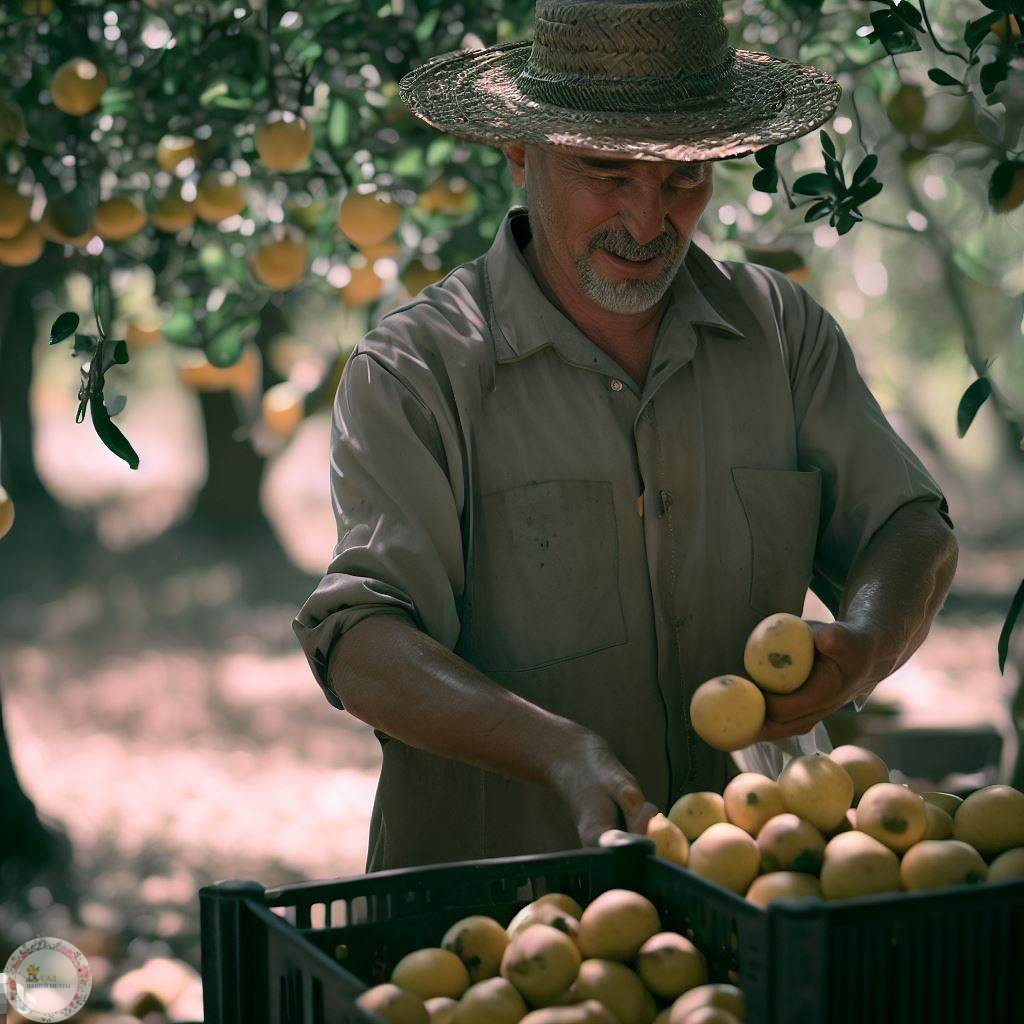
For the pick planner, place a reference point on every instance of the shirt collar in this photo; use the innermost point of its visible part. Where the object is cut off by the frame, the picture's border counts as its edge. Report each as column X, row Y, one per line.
column 523, row 320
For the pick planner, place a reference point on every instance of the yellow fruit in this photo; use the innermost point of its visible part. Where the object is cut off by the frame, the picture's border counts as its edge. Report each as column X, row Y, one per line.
column 541, row 962
column 195, row 371
column 907, row 107
column 368, row 219
column 117, row 219
column 281, row 261
column 431, row 972
column 1006, row 866
column 14, row 210
column 590, row 1011
column 726, row 855
column 857, row 865
column 669, row 965
column 78, row 86
column 938, row 863
column 727, row 712
column 491, row 1001
column 944, row 801
column 614, row 986
column 864, row 767
column 284, row 141
column 363, row 288
column 779, row 653
column 783, row 885
column 669, row 841
column 39, row 8
column 999, row 28
column 939, row 823
column 650, row 1010
column 283, row 409
column 388, row 249
column 720, row 997
column 12, row 124
column 173, row 150
column 991, row 820
column 563, row 902
column 394, row 1004
column 789, row 844
column 172, row 212
column 139, row 335
column 6, row 512
column 441, row 1009
column 479, row 942
column 1015, row 196
column 893, row 815
column 456, row 196
column 416, row 277
column 24, row 248
column 816, row 789
column 546, row 912
column 219, row 195
column 750, row 800
column 616, row 924
column 694, row 812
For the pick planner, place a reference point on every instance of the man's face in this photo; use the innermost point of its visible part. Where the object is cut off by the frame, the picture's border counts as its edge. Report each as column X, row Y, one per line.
column 584, row 204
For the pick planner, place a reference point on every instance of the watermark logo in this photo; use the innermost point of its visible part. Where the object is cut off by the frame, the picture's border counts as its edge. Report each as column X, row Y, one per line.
column 46, row 979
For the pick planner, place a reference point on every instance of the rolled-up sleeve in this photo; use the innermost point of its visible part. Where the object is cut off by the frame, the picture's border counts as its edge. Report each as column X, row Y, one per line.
column 399, row 547
column 868, row 471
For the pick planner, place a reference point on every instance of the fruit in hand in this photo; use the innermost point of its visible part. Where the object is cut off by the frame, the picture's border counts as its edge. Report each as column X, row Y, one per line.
column 779, row 653
column 727, row 712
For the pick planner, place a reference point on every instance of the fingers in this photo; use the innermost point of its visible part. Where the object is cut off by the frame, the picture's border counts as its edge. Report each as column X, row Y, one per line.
column 822, row 690
column 638, row 823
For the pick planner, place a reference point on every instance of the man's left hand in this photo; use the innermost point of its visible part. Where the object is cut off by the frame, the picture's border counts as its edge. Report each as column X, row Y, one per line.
column 843, row 661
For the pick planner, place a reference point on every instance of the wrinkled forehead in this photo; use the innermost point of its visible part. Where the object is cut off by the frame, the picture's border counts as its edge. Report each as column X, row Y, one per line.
column 599, row 159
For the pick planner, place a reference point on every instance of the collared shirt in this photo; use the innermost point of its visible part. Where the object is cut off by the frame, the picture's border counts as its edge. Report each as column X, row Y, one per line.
column 598, row 547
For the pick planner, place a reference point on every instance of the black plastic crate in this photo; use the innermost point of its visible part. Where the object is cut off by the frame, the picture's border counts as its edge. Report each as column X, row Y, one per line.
column 300, row 954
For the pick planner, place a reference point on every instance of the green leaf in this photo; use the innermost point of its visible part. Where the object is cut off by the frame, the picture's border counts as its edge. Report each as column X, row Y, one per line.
column 180, row 328
column 910, row 14
column 867, row 190
column 426, row 27
column 818, row 210
column 63, row 327
column 814, row 184
column 845, row 223
column 114, row 352
column 864, row 169
column 439, row 152
column 971, row 401
column 102, row 303
column 993, row 73
column 766, row 180
column 85, row 344
column 1000, row 182
column 339, row 124
column 1011, row 620
column 109, row 434
column 409, row 164
column 893, row 32
column 940, row 77
column 827, row 145
column 975, row 31
column 225, row 347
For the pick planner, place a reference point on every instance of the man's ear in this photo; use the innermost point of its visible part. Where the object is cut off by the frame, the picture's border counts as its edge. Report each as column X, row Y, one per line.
column 515, row 154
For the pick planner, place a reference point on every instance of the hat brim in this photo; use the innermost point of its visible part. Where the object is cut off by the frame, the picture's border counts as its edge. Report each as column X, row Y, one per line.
column 473, row 95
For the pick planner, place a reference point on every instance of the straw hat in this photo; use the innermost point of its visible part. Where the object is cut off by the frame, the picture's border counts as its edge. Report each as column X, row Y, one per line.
column 655, row 79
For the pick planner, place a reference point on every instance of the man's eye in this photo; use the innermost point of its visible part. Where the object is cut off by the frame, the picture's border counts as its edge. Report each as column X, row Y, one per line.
column 686, row 181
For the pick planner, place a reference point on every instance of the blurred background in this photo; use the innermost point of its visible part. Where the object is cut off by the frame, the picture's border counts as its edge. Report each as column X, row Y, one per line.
column 235, row 193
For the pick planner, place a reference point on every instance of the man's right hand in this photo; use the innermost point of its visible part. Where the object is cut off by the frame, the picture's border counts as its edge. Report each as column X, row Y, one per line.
column 600, row 793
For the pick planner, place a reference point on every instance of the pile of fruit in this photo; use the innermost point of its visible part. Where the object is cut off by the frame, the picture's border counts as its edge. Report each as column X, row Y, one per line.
column 833, row 826
column 558, row 963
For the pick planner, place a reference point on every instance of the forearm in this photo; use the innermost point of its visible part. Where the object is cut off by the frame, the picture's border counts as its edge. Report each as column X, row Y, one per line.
column 899, row 582
column 401, row 681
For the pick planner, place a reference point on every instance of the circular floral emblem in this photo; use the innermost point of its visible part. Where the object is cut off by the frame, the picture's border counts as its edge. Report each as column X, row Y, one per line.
column 47, row 979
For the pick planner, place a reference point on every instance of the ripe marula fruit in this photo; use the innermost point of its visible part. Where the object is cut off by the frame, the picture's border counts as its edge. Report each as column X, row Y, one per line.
column 727, row 855
column 893, row 815
column 670, row 964
column 779, row 653
column 727, row 712
column 817, row 789
column 491, row 1001
column 719, row 996
column 940, row 824
column 615, row 986
column 616, row 924
column 863, row 766
column 431, row 972
column 441, row 1009
column 669, row 840
column 590, row 1011
column 394, row 1004
column 541, row 962
column 858, row 865
column 694, row 812
column 479, row 942
column 751, row 799
column 788, row 843
column 547, row 912
column 938, row 863
column 782, row 885
column 1007, row 865
column 991, row 820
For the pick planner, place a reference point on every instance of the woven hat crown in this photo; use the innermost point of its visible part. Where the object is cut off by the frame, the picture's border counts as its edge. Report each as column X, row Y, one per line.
column 627, row 55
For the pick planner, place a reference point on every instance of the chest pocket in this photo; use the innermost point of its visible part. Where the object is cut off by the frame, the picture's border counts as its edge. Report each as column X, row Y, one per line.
column 782, row 507
column 544, row 581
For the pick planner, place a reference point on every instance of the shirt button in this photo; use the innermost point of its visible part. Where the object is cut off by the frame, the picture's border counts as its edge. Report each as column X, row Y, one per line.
column 615, row 384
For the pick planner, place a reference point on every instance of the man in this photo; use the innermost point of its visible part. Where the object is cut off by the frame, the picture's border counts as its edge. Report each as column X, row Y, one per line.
column 570, row 477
